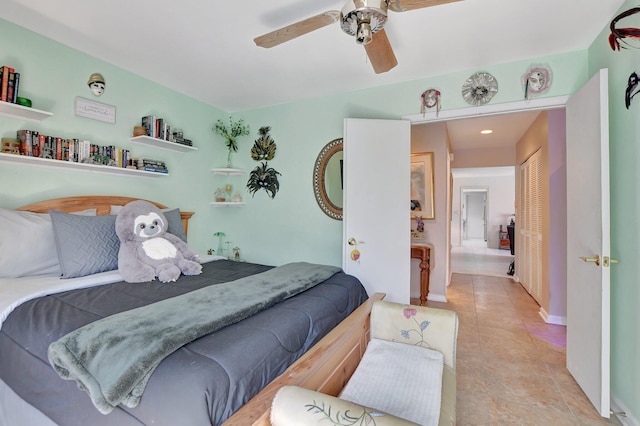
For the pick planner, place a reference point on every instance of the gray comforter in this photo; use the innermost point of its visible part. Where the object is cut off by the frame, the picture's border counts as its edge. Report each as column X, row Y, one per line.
column 201, row 383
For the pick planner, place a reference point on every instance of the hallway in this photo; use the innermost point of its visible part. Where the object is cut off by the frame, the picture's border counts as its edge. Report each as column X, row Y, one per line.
column 510, row 363
column 475, row 258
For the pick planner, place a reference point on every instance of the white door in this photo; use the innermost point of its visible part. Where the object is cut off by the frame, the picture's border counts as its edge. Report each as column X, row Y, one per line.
column 588, row 291
column 377, row 205
column 476, row 214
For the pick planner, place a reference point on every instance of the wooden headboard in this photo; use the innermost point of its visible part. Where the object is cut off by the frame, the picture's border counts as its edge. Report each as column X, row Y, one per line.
column 102, row 204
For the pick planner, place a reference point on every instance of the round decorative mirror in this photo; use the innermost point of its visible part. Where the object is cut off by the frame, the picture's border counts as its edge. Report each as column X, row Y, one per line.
column 327, row 179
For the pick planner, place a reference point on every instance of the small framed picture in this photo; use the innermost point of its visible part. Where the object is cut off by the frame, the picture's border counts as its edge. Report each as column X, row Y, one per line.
column 422, row 186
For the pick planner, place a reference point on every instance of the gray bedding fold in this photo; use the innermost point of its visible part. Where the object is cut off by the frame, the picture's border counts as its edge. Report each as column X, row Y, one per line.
column 113, row 358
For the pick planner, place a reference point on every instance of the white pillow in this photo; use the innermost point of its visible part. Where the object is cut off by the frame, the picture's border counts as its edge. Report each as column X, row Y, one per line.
column 27, row 244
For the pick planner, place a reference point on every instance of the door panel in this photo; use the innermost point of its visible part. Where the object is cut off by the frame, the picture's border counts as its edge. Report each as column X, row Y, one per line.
column 588, row 284
column 377, row 205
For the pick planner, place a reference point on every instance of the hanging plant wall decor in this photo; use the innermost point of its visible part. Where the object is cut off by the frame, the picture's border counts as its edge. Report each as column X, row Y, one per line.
column 264, row 177
column 231, row 134
column 264, row 148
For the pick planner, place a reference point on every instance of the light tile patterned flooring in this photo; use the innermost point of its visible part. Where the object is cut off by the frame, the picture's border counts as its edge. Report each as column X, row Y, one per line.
column 510, row 364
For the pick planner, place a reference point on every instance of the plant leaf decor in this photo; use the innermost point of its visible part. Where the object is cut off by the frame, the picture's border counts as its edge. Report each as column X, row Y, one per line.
column 264, row 147
column 231, row 133
column 263, row 177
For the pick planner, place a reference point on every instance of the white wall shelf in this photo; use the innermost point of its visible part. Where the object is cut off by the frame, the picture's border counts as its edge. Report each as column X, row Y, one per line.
column 70, row 165
column 162, row 144
column 227, row 204
column 227, row 171
column 19, row 111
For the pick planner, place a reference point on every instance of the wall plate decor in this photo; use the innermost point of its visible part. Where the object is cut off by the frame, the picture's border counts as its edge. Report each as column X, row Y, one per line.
column 479, row 88
column 536, row 81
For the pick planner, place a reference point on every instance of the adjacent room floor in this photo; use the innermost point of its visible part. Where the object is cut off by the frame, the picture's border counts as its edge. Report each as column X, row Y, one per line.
column 475, row 258
column 510, row 364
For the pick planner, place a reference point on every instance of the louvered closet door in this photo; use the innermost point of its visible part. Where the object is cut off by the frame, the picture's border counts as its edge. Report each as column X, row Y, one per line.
column 530, row 258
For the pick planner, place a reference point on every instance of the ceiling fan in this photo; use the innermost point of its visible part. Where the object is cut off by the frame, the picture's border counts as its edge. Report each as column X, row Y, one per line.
column 363, row 19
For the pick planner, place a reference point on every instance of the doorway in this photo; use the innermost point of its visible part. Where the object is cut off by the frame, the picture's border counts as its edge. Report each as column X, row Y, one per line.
column 474, row 217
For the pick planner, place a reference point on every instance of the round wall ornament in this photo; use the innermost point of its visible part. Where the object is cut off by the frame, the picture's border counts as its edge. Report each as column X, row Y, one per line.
column 536, row 81
column 479, row 88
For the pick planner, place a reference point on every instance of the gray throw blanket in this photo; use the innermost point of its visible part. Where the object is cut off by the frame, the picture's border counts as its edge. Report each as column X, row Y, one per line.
column 113, row 358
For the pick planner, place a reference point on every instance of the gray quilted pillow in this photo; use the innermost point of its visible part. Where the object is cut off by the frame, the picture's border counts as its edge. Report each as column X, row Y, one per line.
column 86, row 244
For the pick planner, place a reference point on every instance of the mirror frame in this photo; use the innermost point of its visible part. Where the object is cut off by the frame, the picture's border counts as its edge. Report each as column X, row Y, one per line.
column 319, row 171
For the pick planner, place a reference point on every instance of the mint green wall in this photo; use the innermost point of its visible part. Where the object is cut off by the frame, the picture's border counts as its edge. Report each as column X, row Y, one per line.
column 52, row 76
column 291, row 226
column 625, row 210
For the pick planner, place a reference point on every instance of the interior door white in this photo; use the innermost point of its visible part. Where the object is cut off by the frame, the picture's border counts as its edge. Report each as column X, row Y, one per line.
column 588, row 283
column 376, row 211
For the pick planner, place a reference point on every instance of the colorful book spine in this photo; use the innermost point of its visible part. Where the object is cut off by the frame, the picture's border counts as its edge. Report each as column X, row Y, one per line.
column 4, row 83
column 16, row 85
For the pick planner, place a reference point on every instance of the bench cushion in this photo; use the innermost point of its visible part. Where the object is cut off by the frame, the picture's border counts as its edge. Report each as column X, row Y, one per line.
column 399, row 379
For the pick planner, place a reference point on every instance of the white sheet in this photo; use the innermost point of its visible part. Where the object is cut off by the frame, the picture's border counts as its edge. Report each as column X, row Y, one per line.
column 16, row 291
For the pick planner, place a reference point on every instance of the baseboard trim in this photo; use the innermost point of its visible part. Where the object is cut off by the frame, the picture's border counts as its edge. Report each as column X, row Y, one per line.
column 437, row 298
column 629, row 419
column 552, row 319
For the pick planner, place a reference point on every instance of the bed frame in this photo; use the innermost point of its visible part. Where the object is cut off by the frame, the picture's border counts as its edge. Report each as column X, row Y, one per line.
column 102, row 204
column 326, row 367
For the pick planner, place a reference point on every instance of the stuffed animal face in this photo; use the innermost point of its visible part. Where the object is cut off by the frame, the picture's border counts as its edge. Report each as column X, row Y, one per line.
column 139, row 221
column 149, row 226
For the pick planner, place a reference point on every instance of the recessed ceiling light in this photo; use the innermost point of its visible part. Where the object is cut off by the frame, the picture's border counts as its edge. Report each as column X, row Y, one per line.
column 486, row 131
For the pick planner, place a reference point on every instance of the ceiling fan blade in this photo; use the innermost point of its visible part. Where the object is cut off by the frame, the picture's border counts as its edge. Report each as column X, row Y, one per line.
column 380, row 53
column 292, row 31
column 405, row 5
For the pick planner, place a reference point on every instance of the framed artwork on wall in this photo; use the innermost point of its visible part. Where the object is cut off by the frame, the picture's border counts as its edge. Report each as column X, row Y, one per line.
column 422, row 203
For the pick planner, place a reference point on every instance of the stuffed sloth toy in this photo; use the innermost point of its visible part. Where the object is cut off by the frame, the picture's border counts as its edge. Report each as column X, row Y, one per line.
column 147, row 250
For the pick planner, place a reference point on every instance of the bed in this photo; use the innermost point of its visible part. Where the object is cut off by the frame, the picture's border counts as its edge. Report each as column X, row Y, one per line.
column 233, row 370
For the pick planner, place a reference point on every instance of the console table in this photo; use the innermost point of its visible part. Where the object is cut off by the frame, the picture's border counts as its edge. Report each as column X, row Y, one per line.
column 422, row 252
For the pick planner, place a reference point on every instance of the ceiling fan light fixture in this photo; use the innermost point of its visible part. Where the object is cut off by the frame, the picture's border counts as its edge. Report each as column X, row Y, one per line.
column 364, row 34
column 363, row 18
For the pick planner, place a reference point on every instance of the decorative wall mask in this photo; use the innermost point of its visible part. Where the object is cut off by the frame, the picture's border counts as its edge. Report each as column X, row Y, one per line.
column 632, row 89
column 96, row 84
column 618, row 35
column 430, row 98
column 263, row 176
column 479, row 88
column 264, row 148
column 536, row 81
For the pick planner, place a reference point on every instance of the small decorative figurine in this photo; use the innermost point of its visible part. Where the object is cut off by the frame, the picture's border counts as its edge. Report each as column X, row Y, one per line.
column 419, row 224
column 96, row 84
column 237, row 198
column 219, row 195
column 236, row 253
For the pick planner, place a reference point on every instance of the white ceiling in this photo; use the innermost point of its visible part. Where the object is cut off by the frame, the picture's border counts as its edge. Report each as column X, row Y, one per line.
column 205, row 49
column 507, row 130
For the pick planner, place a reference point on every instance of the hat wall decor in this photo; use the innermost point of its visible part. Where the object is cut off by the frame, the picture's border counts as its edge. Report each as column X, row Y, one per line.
column 480, row 88
column 621, row 38
column 536, row 81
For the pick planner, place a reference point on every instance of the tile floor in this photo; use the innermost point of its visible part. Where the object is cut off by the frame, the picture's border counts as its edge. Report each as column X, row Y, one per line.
column 510, row 363
column 476, row 258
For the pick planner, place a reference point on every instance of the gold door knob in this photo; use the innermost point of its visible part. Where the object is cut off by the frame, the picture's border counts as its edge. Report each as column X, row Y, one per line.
column 606, row 261
column 595, row 259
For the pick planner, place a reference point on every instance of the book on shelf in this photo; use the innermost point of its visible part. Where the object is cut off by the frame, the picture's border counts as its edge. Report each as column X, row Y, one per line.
column 4, row 83
column 149, row 123
column 154, row 169
column 16, row 84
column 11, row 86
